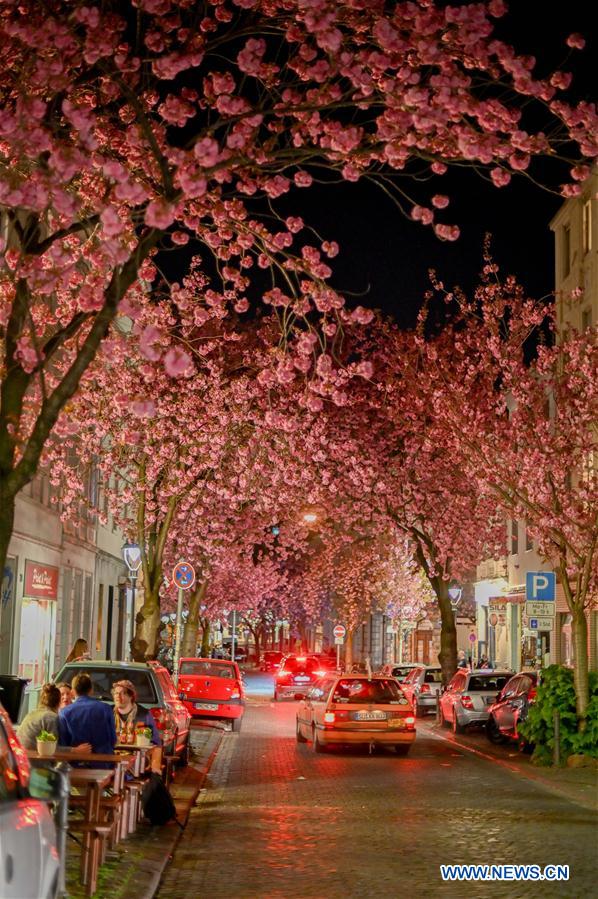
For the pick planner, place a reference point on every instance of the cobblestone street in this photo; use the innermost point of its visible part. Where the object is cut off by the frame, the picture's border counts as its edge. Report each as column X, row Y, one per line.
column 278, row 821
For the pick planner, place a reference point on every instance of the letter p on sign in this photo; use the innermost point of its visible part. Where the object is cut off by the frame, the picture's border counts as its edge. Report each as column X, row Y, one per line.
column 540, row 585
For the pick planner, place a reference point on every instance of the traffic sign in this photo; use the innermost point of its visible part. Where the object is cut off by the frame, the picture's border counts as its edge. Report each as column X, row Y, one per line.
column 539, row 609
column 472, row 638
column 540, row 585
column 339, row 631
column 541, row 624
column 183, row 575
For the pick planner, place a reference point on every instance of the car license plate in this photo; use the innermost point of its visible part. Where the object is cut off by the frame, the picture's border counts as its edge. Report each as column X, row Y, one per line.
column 374, row 715
column 207, row 706
column 301, row 680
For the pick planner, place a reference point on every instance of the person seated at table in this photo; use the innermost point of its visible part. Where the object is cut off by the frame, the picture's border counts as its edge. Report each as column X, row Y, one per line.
column 44, row 717
column 128, row 716
column 66, row 695
column 87, row 719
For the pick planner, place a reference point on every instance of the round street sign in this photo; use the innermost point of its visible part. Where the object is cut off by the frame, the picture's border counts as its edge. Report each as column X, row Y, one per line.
column 472, row 638
column 183, row 575
column 339, row 631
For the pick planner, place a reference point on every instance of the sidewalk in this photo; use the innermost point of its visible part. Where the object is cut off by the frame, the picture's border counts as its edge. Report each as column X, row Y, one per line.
column 133, row 870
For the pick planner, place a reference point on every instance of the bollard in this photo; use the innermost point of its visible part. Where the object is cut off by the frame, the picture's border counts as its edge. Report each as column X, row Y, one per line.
column 63, row 789
column 556, row 754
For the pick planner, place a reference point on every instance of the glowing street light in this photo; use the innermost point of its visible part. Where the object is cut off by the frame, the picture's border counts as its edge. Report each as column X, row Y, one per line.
column 310, row 517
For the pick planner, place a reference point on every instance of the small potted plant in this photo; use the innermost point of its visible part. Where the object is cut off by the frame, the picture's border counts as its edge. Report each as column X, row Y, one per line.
column 143, row 735
column 46, row 743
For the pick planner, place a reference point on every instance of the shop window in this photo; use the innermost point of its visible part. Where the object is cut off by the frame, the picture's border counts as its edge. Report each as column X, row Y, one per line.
column 514, row 537
column 529, row 543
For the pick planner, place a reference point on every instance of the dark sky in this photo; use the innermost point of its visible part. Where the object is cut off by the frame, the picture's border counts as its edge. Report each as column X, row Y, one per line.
column 386, row 258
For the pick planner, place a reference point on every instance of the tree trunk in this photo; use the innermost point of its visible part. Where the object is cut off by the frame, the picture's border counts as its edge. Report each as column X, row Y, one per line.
column 145, row 643
column 448, row 634
column 348, row 650
column 205, row 638
column 7, row 518
column 190, row 632
column 580, row 669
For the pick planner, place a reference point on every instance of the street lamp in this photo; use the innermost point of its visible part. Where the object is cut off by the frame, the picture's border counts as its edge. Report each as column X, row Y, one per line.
column 310, row 517
column 131, row 553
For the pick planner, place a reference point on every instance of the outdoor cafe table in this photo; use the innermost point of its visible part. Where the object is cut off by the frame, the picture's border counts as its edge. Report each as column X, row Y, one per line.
column 141, row 754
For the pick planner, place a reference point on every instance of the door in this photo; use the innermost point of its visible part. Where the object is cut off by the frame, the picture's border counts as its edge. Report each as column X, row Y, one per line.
column 37, row 630
column 505, row 712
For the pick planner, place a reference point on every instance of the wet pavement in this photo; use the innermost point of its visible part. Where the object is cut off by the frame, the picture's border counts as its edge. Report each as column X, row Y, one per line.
column 278, row 821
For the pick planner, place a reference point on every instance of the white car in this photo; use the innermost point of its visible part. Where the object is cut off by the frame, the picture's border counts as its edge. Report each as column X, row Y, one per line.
column 29, row 866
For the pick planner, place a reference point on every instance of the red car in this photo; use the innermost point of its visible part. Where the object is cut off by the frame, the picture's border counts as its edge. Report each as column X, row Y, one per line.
column 212, row 688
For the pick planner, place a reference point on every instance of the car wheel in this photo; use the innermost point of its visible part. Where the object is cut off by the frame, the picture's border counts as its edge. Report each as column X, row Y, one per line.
column 315, row 743
column 276, row 696
column 402, row 748
column 524, row 746
column 457, row 728
column 236, row 725
column 492, row 731
column 300, row 737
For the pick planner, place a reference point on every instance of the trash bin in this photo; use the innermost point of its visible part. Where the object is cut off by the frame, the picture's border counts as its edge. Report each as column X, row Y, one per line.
column 12, row 691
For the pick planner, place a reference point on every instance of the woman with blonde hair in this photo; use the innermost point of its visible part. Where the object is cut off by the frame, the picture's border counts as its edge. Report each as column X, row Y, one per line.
column 80, row 650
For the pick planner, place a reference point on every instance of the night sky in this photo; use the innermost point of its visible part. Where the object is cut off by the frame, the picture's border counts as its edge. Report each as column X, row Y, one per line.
column 385, row 259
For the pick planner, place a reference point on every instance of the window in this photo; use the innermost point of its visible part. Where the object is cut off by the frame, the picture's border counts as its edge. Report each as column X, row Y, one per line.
column 586, row 318
column 207, row 669
column 514, row 537
column 566, row 250
column 433, row 677
column 360, row 689
column 529, row 543
column 587, row 226
column 491, row 682
column 103, row 679
column 319, row 692
column 457, row 683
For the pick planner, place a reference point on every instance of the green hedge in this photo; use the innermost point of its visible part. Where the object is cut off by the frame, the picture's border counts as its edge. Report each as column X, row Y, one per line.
column 557, row 691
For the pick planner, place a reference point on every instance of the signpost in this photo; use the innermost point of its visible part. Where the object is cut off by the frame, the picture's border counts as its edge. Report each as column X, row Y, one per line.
column 540, row 586
column 539, row 609
column 131, row 553
column 339, row 632
column 541, row 624
column 183, row 577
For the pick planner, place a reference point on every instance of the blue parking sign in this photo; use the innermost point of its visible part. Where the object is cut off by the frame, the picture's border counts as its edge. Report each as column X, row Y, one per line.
column 540, row 585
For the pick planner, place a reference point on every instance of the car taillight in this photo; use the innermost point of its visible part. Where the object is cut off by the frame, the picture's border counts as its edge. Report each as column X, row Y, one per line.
column 301, row 659
column 425, row 688
column 467, row 702
column 235, row 694
column 331, row 717
column 281, row 675
column 319, row 673
column 410, row 721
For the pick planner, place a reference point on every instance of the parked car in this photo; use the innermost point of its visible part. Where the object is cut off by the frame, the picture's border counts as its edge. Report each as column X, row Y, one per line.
column 511, row 707
column 271, row 660
column 422, row 687
column 155, row 692
column 295, row 673
column 28, row 851
column 355, row 709
column 469, row 696
column 398, row 671
column 212, row 688
column 324, row 663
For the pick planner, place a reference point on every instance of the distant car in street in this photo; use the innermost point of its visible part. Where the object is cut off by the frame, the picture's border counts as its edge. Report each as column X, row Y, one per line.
column 469, row 695
column 511, row 707
column 271, row 660
column 295, row 673
column 212, row 688
column 422, row 687
column 355, row 709
column 28, row 851
column 324, row 663
column 156, row 693
column 399, row 671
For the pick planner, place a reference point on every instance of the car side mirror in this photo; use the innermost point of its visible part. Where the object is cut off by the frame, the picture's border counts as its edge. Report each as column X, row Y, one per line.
column 298, row 696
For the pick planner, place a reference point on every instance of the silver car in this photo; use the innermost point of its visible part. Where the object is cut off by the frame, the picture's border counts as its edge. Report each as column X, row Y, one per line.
column 469, row 695
column 28, row 855
column 421, row 687
column 398, row 670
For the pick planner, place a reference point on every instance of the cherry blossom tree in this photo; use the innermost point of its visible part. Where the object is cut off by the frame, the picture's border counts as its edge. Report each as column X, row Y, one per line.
column 517, row 403
column 140, row 126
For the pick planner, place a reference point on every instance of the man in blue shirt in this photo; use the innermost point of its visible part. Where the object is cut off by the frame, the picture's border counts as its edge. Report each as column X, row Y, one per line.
column 87, row 720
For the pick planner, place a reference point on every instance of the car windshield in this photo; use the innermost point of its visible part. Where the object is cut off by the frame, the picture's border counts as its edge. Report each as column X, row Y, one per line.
column 490, row 682
column 360, row 689
column 207, row 669
column 401, row 673
column 307, row 665
column 433, row 677
column 103, row 678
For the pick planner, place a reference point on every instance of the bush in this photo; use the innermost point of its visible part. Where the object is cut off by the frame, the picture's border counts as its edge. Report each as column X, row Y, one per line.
column 557, row 692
